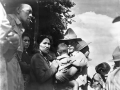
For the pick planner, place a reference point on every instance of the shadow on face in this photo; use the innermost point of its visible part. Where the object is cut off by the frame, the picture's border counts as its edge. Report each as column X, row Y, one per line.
column 26, row 42
column 44, row 46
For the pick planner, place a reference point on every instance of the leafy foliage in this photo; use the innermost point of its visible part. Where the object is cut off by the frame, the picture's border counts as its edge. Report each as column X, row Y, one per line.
column 58, row 10
column 54, row 16
column 51, row 17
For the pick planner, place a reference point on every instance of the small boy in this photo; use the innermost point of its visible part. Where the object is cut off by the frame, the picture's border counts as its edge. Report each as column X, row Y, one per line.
column 65, row 66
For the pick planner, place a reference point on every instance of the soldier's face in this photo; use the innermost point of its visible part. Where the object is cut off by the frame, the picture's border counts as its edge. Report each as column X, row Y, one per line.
column 71, row 45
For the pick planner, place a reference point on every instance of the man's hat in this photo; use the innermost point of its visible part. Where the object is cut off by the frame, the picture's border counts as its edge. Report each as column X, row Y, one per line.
column 70, row 35
column 116, row 54
column 81, row 45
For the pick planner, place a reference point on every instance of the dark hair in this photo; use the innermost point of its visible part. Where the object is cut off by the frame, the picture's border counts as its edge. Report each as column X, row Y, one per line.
column 85, row 49
column 26, row 34
column 62, row 48
column 42, row 37
column 104, row 67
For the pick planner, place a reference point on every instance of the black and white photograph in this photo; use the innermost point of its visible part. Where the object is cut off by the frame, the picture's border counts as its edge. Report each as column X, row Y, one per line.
column 37, row 37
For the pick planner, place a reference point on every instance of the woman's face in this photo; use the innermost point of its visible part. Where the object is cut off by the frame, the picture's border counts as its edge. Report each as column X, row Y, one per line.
column 104, row 73
column 44, row 46
column 26, row 42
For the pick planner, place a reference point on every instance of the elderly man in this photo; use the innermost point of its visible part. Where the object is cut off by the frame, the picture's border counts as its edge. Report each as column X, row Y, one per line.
column 22, row 15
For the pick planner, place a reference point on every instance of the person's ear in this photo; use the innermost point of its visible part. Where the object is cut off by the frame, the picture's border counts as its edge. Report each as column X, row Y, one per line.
column 18, row 10
column 58, row 53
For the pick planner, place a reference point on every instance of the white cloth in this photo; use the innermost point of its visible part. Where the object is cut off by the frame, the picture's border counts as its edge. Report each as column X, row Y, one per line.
column 10, row 72
column 4, row 28
column 4, row 23
column 82, row 61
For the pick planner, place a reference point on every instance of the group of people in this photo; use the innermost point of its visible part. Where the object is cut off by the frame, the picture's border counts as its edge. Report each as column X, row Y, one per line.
column 44, row 70
column 11, row 46
column 64, row 69
column 107, row 77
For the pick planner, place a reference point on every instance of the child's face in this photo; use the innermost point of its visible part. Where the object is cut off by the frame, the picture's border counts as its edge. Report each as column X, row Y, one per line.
column 104, row 73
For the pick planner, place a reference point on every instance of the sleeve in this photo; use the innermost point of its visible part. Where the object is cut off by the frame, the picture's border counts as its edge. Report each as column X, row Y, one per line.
column 3, row 31
column 81, row 60
column 41, row 71
column 4, row 23
column 112, row 82
column 97, row 77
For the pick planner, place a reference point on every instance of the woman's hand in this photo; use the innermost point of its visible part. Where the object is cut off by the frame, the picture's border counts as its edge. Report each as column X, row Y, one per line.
column 55, row 64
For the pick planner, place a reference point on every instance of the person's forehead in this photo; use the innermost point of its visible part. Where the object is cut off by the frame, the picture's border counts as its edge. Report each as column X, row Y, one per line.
column 26, row 37
column 27, row 8
column 46, row 40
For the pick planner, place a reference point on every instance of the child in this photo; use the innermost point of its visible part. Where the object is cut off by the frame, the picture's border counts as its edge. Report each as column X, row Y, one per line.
column 65, row 66
column 98, row 80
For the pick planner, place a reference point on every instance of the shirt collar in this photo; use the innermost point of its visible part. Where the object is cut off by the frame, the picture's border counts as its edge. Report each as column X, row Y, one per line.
column 17, row 20
column 62, row 56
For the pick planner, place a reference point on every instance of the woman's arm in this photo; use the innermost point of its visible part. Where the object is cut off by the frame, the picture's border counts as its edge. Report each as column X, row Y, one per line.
column 42, row 72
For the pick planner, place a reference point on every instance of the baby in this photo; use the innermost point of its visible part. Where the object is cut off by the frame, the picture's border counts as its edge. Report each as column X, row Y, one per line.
column 66, row 70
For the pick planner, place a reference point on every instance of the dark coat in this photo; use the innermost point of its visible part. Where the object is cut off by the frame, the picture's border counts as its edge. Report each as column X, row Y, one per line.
column 42, row 73
column 25, row 62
